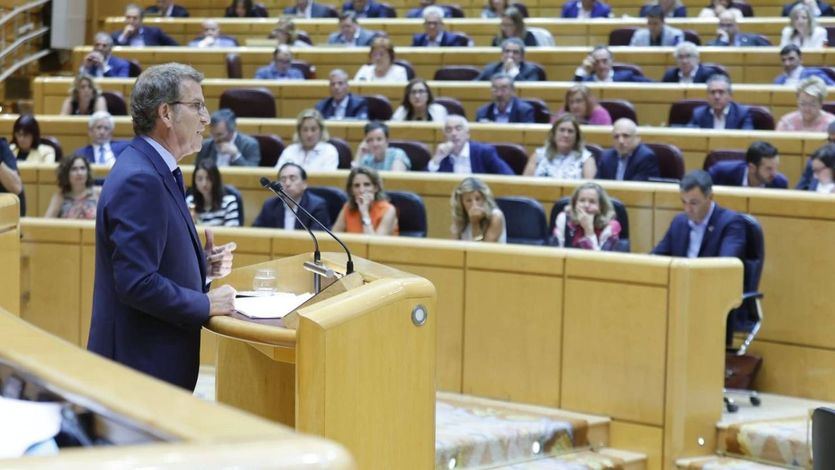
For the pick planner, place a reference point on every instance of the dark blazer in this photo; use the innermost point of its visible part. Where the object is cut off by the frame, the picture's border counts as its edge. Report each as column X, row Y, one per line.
column 825, row 8
column 448, row 39
column 642, row 165
column 272, row 213
column 357, row 107
column 151, row 35
column 745, row 40
column 316, row 11
column 364, row 39
column 529, row 40
column 118, row 67
column 527, row 72
column 679, row 12
column 483, row 159
column 739, row 117
column 116, row 146
column 520, row 111
column 372, row 10
column 702, row 74
column 807, row 179
column 806, row 73
column 724, row 236
column 625, row 75
column 572, row 8
column 730, row 173
column 149, row 295
column 247, row 145
column 176, row 12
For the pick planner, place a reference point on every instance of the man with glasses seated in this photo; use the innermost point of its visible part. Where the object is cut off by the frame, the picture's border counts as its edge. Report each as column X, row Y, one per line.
column 275, row 212
column 227, row 146
column 512, row 63
column 506, row 107
column 628, row 159
column 728, row 34
column 721, row 112
column 598, row 66
column 281, row 67
column 435, row 34
column 689, row 69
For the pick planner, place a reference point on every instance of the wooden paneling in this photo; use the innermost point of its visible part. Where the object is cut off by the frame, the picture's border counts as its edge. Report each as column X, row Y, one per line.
column 640, row 438
column 796, row 370
column 10, row 253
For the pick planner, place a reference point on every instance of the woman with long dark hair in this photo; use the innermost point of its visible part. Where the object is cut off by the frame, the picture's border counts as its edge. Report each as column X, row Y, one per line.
column 419, row 104
column 208, row 199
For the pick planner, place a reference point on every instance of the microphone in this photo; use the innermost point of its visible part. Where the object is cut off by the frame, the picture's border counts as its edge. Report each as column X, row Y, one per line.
column 276, row 188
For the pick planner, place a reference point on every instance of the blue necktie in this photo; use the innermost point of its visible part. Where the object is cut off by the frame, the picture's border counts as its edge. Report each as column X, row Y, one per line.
column 178, row 175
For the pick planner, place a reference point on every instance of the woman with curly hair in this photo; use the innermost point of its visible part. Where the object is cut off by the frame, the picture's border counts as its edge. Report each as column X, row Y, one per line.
column 76, row 197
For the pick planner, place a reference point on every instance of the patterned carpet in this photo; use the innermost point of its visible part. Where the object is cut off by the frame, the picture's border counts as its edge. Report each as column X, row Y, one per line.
column 783, row 442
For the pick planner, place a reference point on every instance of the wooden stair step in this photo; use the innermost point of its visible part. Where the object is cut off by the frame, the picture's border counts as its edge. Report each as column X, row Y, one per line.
column 718, row 462
column 605, row 458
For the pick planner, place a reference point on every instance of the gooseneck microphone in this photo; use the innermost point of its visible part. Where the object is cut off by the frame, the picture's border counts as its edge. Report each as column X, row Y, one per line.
column 276, row 188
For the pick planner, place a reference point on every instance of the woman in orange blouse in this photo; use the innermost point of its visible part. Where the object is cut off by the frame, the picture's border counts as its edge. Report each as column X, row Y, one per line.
column 367, row 210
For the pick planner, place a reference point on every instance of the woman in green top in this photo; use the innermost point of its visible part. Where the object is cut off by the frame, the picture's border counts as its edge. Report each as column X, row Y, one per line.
column 374, row 151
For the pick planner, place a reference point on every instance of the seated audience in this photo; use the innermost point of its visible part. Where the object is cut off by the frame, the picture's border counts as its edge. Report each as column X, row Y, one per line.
column 459, row 154
column 424, row 4
column 475, row 215
column 227, row 146
column 580, row 103
column 721, row 112
column 704, row 230
column 793, row 70
column 656, row 33
column 806, row 178
column 728, row 34
column 717, row 7
column 810, row 116
column 758, row 170
column 212, row 38
column 598, row 66
column 513, row 26
column 310, row 148
column 308, row 9
column 100, row 62
column 281, row 68
column 585, row 9
column 803, row 30
column 689, row 69
column 628, row 159
column 10, row 181
column 135, row 34
column 435, row 34
column 342, row 104
column 382, row 67
column 26, row 141
column 374, row 151
column 419, row 104
column 564, row 155
column 76, row 197
column 285, row 33
column 167, row 9
column 512, row 63
column 367, row 210
column 818, row 7
column 275, row 213
column 102, row 150
column 589, row 221
column 208, row 200
column 365, row 9
column 85, row 98
column 506, row 107
column 494, row 8
column 244, row 9
column 823, row 170
column 350, row 33
column 670, row 8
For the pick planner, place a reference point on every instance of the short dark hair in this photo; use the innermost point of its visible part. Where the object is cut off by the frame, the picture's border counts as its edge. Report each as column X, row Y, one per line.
column 348, row 15
column 826, row 155
column 302, row 172
column 226, row 116
column 789, row 49
column 27, row 124
column 374, row 125
column 759, row 150
column 211, row 169
column 697, row 179
column 655, row 11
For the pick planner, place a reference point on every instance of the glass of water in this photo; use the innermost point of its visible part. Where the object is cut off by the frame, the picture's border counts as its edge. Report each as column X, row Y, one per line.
column 264, row 281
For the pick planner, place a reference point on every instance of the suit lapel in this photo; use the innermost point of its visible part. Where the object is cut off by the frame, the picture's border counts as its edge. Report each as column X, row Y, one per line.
column 707, row 239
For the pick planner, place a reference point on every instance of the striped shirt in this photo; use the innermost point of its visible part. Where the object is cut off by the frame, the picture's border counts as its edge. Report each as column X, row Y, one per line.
column 227, row 215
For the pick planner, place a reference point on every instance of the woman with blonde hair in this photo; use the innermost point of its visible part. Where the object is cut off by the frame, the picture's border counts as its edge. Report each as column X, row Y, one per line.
column 803, row 30
column 367, row 210
column 810, row 116
column 382, row 67
column 85, row 98
column 564, row 155
column 581, row 103
column 285, row 33
column 475, row 214
column 76, row 197
column 310, row 148
column 513, row 26
column 588, row 222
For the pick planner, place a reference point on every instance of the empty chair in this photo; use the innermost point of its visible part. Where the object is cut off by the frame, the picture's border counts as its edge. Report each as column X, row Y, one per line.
column 379, row 108
column 249, row 102
column 513, row 154
column 621, row 36
column 411, row 213
column 307, row 69
column 53, row 142
column 823, row 435
column 762, row 118
column 715, row 156
column 388, row 11
column 617, row 66
column 524, row 219
column 271, row 147
column 670, row 160
column 457, row 72
column 134, row 69
column 234, row 68
column 116, row 105
column 716, row 68
column 418, row 153
column 452, row 105
column 455, row 11
column 334, row 197
column 620, row 214
column 410, row 71
column 345, row 154
column 541, row 113
column 619, row 109
column 682, row 111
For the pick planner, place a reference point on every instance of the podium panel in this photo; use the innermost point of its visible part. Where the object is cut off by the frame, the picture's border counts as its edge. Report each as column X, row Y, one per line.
column 10, row 253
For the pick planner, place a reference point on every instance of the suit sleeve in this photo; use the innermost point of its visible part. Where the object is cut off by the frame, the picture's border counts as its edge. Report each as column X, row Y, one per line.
column 733, row 240
column 321, row 213
column 481, row 113
column 664, row 247
column 265, row 217
column 527, row 114
column 695, row 119
column 134, row 230
column 494, row 164
column 250, row 153
column 648, row 168
column 747, row 120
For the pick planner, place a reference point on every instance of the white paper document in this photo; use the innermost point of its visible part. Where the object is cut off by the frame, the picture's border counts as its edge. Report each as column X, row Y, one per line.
column 275, row 305
column 24, row 423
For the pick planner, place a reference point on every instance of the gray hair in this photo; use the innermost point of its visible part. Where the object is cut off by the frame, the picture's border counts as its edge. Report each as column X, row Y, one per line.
column 720, row 77
column 98, row 116
column 686, row 47
column 697, row 179
column 456, row 117
column 157, row 85
column 338, row 72
column 516, row 41
column 433, row 10
column 503, row 76
column 813, row 86
column 133, row 6
column 224, row 115
column 102, row 36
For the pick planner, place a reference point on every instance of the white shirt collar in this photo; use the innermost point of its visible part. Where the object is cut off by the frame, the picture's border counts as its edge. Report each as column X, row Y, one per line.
column 169, row 159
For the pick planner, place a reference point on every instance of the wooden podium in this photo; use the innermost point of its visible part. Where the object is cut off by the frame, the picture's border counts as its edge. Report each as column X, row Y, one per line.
column 356, row 365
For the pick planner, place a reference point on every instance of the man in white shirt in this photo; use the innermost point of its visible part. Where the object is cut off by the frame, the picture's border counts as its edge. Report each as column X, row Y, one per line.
column 459, row 154
column 342, row 104
column 102, row 150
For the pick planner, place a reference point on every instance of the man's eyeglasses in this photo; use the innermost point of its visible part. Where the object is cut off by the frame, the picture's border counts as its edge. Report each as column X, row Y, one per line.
column 198, row 106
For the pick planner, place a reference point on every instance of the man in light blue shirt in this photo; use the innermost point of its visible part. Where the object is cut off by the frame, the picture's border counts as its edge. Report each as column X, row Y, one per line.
column 281, row 67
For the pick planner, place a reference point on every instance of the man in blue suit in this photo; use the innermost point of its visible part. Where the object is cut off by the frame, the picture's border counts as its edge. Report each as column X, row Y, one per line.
column 135, row 34
column 275, row 214
column 310, row 9
column 598, row 67
column 350, row 34
column 721, row 112
column 728, row 34
column 689, row 69
column 102, row 150
column 167, row 9
column 151, row 293
column 506, row 107
column 628, row 159
column 759, row 170
column 586, row 9
column 424, row 4
column 342, row 104
column 368, row 9
column 656, row 33
column 793, row 70
column 100, row 62
column 824, row 8
column 704, row 230
column 435, row 35
column 459, row 154
column 512, row 63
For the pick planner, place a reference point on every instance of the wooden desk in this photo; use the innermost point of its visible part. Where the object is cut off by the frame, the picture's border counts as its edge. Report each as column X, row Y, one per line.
column 10, row 253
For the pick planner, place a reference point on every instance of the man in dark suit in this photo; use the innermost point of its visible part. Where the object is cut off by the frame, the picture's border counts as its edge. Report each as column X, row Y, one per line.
column 151, row 293
column 136, row 34
column 459, row 154
column 689, row 69
column 350, row 33
column 368, row 9
column 824, row 8
column 728, row 34
column 424, row 4
column 309, row 9
column 102, row 150
column 598, row 67
column 704, row 230
column 629, row 159
column 759, row 170
column 167, row 9
column 512, row 63
column 436, row 35
column 588, row 8
column 227, row 146
column 275, row 214
column 793, row 70
column 506, row 107
column 342, row 104
column 656, row 33
column 100, row 62
column 807, row 179
column 721, row 112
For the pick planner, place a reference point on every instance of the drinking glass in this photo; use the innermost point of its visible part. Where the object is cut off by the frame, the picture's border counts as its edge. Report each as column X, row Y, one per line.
column 264, row 281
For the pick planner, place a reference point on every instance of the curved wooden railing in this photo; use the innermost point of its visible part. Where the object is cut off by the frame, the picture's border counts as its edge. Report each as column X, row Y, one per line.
column 20, row 29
